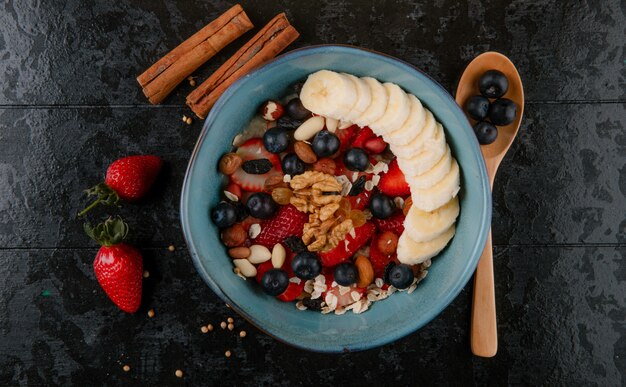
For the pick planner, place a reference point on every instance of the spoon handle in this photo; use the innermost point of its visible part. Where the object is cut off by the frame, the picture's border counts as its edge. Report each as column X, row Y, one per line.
column 484, row 332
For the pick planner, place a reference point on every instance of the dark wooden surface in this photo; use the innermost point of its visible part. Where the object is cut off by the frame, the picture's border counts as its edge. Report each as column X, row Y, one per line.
column 69, row 105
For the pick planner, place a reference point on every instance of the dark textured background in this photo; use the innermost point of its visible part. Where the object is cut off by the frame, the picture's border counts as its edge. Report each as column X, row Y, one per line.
column 69, row 105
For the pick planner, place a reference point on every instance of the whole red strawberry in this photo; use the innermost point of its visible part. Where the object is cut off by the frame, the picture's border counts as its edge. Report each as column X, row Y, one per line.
column 288, row 221
column 118, row 266
column 128, row 178
column 394, row 223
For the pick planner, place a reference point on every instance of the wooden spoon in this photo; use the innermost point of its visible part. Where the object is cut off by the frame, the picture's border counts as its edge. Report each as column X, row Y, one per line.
column 484, row 336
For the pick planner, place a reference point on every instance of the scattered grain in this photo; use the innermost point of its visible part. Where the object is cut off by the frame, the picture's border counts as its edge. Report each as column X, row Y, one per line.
column 151, row 313
column 227, row 354
column 209, row 327
column 223, row 325
column 171, row 248
column 178, row 373
column 231, row 327
column 242, row 334
column 230, row 320
column 146, row 274
column 126, row 368
column 204, row 329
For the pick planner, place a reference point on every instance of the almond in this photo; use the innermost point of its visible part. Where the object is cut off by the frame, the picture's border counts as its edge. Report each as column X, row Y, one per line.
column 304, row 152
column 239, row 252
column 325, row 165
column 407, row 205
column 387, row 243
column 234, row 236
column 366, row 271
column 275, row 182
column 229, row 163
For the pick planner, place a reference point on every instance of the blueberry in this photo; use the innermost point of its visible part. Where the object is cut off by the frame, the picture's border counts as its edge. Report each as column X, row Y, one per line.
column 486, row 132
column 276, row 139
column 325, row 144
column 346, row 274
column 297, row 87
column 224, row 215
column 502, row 111
column 242, row 210
column 356, row 159
column 261, row 205
column 401, row 276
column 477, row 107
column 493, row 84
column 388, row 268
column 296, row 110
column 275, row 282
column 306, row 265
column 382, row 206
column 257, row 167
column 292, row 165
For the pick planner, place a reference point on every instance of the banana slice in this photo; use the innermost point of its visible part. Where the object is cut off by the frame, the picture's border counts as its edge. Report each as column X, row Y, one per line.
column 431, row 151
column 427, row 133
column 424, row 226
column 364, row 98
column 378, row 104
column 328, row 94
column 411, row 127
column 412, row 253
column 397, row 111
column 439, row 194
column 433, row 175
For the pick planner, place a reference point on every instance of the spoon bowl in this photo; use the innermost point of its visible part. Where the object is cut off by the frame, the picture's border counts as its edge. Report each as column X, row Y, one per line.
column 468, row 87
column 484, row 333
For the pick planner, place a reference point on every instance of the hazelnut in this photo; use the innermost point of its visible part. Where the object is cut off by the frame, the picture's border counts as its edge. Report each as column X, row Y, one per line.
column 325, row 165
column 234, row 236
column 229, row 163
column 272, row 110
column 304, row 152
column 407, row 205
column 387, row 243
column 239, row 252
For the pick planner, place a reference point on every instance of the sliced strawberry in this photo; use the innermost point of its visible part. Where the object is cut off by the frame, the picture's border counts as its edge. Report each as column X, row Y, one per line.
column 292, row 291
column 360, row 201
column 342, row 253
column 249, row 221
column 345, row 136
column 234, row 189
column 393, row 182
column 261, row 269
column 288, row 221
column 251, row 150
column 375, row 145
column 378, row 259
column 394, row 223
column 363, row 135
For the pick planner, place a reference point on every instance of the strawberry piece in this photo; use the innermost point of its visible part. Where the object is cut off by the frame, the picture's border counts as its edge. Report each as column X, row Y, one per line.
column 393, row 182
column 288, row 221
column 341, row 252
column 375, row 145
column 360, row 201
column 292, row 292
column 253, row 149
column 118, row 266
column 394, row 223
column 345, row 137
column 234, row 189
column 378, row 259
column 363, row 135
column 261, row 269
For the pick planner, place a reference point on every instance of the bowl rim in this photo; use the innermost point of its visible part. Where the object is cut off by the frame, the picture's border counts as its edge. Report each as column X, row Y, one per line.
column 391, row 336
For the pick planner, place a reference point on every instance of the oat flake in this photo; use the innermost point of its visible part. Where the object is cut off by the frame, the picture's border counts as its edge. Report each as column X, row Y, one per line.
column 231, row 196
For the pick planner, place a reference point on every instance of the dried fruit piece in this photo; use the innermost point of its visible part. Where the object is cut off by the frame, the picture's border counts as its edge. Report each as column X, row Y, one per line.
column 295, row 244
column 257, row 167
column 229, row 163
column 304, row 152
column 366, row 272
column 325, row 165
column 358, row 186
column 358, row 218
column 282, row 196
column 234, row 236
column 274, row 181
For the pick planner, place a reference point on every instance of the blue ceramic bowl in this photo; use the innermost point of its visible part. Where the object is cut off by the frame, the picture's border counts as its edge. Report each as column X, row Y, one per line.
column 386, row 320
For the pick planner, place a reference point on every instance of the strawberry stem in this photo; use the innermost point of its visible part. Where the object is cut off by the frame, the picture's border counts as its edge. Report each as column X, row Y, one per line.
column 109, row 233
column 106, row 195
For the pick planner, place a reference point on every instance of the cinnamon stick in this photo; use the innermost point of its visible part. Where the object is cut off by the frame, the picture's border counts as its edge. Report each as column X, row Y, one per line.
column 163, row 76
column 265, row 45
